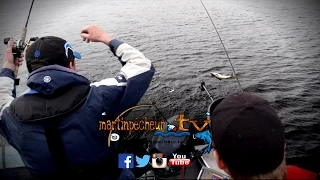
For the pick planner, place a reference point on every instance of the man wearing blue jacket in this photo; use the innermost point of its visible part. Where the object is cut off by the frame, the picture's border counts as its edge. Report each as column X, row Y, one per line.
column 54, row 125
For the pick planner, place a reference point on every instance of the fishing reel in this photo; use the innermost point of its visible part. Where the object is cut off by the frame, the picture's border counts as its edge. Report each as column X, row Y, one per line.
column 18, row 48
column 19, row 45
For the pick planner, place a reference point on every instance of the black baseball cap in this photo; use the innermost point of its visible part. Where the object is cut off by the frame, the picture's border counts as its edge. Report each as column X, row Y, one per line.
column 49, row 50
column 248, row 134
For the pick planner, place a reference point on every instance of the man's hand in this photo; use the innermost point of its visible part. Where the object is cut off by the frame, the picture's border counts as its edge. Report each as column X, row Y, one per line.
column 95, row 34
column 9, row 61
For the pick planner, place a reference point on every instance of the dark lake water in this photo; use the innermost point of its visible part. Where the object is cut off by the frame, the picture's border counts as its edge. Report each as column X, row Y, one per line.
column 274, row 46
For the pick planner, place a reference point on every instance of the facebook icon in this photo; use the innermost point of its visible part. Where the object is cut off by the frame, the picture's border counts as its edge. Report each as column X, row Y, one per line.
column 126, row 161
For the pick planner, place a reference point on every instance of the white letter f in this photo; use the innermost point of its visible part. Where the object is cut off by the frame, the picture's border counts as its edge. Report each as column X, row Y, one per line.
column 127, row 162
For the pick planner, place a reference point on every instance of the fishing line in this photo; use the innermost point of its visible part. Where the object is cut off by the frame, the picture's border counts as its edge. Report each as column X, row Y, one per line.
column 240, row 87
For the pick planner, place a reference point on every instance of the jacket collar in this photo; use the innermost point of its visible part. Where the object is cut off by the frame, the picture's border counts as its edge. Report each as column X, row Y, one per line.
column 47, row 80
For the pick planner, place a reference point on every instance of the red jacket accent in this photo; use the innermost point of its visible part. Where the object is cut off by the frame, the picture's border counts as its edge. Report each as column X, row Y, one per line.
column 294, row 172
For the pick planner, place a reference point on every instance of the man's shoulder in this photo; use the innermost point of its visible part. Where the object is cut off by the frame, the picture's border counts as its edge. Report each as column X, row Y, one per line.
column 31, row 107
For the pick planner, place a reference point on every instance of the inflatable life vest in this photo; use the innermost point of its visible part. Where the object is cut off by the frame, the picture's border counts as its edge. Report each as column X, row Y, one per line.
column 294, row 172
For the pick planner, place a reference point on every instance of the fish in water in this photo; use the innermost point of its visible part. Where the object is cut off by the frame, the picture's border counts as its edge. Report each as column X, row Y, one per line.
column 220, row 76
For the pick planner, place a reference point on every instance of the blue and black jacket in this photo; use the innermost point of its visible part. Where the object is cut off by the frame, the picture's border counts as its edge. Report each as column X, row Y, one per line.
column 58, row 94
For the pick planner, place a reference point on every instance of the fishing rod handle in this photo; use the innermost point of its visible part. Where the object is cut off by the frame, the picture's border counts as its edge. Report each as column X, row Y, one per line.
column 24, row 34
column 18, row 55
column 16, row 80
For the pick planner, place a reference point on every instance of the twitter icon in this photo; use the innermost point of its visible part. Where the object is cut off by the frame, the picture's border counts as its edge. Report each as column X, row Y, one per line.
column 142, row 162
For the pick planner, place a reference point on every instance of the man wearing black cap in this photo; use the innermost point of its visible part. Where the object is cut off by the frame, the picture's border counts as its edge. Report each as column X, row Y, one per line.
column 249, row 140
column 55, row 124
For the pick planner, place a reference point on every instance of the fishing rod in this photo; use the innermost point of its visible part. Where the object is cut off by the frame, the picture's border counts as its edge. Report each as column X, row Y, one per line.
column 20, row 45
column 154, row 104
column 240, row 88
column 204, row 88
